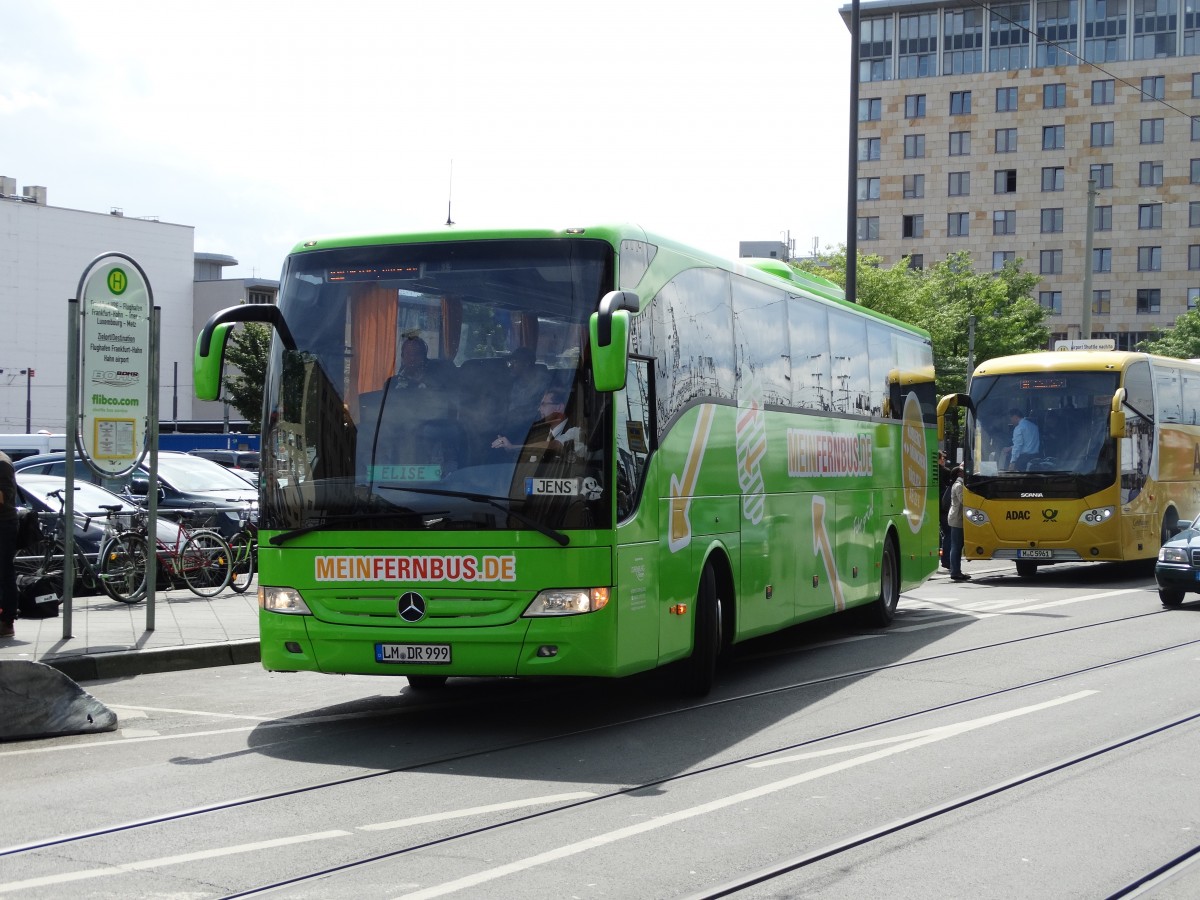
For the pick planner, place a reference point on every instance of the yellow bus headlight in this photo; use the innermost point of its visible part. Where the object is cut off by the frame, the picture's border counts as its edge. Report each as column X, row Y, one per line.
column 1098, row 515
column 975, row 516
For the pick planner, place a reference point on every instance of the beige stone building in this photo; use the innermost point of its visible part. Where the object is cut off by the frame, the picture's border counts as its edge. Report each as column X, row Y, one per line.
column 980, row 125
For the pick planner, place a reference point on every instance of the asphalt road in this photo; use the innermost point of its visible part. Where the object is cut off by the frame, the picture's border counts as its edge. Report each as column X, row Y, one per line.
column 1004, row 738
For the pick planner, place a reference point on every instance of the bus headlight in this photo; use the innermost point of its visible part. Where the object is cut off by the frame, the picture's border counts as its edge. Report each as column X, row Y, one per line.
column 1173, row 555
column 975, row 516
column 567, row 602
column 1097, row 516
column 282, row 600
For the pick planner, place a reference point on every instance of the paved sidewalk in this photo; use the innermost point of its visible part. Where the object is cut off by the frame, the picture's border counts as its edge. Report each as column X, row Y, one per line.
column 109, row 639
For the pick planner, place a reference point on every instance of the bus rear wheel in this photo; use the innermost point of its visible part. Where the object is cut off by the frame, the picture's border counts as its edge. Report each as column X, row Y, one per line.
column 882, row 610
column 698, row 672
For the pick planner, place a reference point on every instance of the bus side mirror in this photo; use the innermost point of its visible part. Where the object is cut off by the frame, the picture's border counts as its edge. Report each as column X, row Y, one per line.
column 207, row 364
column 950, row 401
column 1116, row 415
column 608, row 339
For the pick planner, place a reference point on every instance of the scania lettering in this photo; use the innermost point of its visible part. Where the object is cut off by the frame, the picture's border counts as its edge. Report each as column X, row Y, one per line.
column 739, row 450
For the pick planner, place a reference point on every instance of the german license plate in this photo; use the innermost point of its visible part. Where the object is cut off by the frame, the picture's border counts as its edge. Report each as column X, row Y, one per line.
column 1035, row 554
column 425, row 654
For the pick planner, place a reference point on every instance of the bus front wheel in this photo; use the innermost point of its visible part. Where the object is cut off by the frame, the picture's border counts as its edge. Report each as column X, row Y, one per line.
column 426, row 682
column 881, row 612
column 699, row 671
column 1026, row 569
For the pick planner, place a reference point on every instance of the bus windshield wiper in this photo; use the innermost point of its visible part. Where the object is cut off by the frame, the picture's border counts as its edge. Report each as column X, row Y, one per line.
column 329, row 521
column 533, row 523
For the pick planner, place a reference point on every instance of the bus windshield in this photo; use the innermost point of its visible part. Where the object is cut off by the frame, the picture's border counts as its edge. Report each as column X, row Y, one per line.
column 439, row 386
column 1042, row 424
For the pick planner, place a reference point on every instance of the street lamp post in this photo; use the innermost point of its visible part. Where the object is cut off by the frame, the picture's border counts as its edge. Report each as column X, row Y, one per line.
column 1085, row 326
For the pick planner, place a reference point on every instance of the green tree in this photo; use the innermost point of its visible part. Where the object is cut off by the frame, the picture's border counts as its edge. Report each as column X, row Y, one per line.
column 942, row 299
column 1181, row 341
column 247, row 350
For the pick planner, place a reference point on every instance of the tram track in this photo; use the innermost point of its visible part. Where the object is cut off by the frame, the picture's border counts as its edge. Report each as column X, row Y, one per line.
column 561, row 808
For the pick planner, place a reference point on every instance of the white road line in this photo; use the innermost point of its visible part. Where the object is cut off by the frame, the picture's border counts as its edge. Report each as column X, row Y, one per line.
column 188, row 712
column 969, row 610
column 610, row 837
column 478, row 810
column 142, row 865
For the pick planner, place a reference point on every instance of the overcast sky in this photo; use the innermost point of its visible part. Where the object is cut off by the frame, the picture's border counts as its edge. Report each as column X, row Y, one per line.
column 262, row 124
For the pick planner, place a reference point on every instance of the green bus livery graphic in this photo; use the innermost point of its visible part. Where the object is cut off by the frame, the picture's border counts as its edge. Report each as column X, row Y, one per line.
column 583, row 452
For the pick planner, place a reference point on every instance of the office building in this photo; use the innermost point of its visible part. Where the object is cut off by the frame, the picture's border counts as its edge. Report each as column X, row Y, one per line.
column 980, row 126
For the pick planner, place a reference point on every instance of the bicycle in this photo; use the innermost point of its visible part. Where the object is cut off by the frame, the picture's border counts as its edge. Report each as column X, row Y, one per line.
column 198, row 557
column 243, row 549
column 47, row 559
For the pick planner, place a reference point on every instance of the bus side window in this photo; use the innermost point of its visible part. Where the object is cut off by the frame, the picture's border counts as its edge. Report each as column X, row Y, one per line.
column 635, row 426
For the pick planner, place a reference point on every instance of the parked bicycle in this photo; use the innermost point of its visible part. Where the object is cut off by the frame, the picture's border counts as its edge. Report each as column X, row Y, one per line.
column 45, row 562
column 243, row 548
column 199, row 558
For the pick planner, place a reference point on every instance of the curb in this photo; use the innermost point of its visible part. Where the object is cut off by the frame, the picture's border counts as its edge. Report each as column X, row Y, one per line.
column 121, row 664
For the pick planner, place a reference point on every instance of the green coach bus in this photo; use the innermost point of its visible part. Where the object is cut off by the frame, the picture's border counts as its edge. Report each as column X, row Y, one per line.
column 588, row 451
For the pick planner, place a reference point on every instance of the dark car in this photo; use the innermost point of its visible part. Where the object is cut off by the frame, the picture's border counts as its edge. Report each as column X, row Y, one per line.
column 185, row 482
column 1178, row 568
column 243, row 463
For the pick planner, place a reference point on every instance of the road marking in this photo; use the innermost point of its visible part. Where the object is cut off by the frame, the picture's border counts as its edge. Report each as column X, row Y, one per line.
column 160, row 862
column 967, row 611
column 478, row 810
column 188, row 712
column 682, row 815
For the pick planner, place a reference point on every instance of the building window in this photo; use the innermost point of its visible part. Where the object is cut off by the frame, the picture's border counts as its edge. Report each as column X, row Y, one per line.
column 1101, row 302
column 1196, row 128
column 958, row 224
column 917, row 46
column 1149, row 215
column 1193, row 257
column 1195, row 84
column 1001, row 257
column 1152, row 131
column 1053, row 178
column 916, row 261
column 1149, row 259
column 1006, row 181
column 914, row 187
column 1104, row 92
column 1051, row 262
column 868, row 228
column 1052, row 220
column 1150, row 174
column 960, row 103
column 913, row 226
column 1153, row 33
column 1006, row 99
column 875, row 49
column 1195, row 177
column 1102, row 174
column 260, row 297
column 1104, row 32
column 1194, row 214
column 1052, row 301
column 1009, row 37
column 914, row 146
column 1057, row 31
column 963, row 52
column 1149, row 300
column 870, row 110
column 914, row 106
column 1102, row 259
column 1102, row 134
column 1004, row 221
column 1006, row 140
column 1054, row 137
column 868, row 149
column 868, row 189
column 1154, row 87
column 960, row 143
column 960, row 184
column 1054, row 96
column 1103, row 219
column 1193, row 296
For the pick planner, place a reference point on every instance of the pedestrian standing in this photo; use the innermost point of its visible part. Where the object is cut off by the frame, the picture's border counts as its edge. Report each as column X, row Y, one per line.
column 954, row 519
column 944, row 482
column 8, row 547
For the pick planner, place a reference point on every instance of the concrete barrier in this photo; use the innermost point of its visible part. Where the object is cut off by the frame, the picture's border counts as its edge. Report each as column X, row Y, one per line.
column 38, row 701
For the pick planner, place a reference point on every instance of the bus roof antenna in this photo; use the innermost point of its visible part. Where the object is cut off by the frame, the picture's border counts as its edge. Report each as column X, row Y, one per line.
column 450, row 195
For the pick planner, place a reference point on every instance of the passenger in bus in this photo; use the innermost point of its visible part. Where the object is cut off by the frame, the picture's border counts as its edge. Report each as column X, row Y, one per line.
column 416, row 371
column 550, row 436
column 1026, row 441
column 526, row 379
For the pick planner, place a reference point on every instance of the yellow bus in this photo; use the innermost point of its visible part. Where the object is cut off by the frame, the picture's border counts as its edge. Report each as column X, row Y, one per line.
column 1106, row 461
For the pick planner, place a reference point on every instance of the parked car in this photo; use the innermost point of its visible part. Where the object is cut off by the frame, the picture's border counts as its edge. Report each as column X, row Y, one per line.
column 243, row 463
column 184, row 482
column 1178, row 568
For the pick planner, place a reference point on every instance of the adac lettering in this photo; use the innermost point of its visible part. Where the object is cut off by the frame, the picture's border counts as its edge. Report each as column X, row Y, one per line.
column 1017, row 515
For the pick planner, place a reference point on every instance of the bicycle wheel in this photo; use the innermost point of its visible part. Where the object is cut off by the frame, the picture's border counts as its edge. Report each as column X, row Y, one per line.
column 204, row 562
column 123, row 567
column 244, row 556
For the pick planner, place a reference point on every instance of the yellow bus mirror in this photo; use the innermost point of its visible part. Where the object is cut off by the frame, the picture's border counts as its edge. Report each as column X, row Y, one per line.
column 944, row 405
column 1116, row 424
